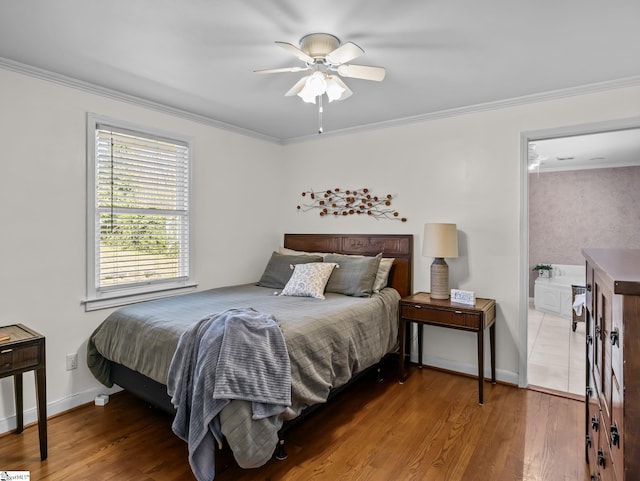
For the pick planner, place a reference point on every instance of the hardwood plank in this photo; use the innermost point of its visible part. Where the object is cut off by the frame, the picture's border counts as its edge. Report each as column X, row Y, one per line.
column 431, row 427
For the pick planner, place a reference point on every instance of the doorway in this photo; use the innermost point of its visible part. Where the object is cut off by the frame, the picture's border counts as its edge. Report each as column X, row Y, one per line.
column 568, row 173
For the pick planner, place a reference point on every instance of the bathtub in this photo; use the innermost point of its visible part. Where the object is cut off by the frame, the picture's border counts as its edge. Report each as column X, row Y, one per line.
column 553, row 294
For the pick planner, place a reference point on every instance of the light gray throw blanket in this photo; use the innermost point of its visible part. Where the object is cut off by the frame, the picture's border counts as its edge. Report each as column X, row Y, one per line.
column 235, row 354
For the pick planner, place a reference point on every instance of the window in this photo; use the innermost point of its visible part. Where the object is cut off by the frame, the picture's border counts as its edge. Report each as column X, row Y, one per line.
column 138, row 214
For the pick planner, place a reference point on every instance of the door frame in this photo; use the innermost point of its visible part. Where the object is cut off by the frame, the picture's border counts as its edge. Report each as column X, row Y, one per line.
column 525, row 138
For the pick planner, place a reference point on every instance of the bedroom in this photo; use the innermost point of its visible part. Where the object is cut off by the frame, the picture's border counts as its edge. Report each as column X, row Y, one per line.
column 476, row 152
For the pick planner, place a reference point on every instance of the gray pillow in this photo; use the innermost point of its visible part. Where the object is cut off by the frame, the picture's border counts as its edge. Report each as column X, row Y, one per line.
column 278, row 270
column 354, row 276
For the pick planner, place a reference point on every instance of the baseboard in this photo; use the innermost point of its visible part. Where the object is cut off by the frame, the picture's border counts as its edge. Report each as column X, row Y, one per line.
column 555, row 392
column 56, row 407
column 507, row 377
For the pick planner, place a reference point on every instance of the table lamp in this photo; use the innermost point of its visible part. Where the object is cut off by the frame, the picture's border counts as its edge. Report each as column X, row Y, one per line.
column 440, row 241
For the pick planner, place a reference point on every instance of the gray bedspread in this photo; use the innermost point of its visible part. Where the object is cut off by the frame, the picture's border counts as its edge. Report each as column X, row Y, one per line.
column 328, row 342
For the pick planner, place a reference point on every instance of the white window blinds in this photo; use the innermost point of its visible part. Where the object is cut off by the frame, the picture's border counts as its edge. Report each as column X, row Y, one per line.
column 141, row 209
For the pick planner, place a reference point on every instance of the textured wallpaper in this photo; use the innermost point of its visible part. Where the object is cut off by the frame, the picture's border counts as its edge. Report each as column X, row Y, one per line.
column 582, row 208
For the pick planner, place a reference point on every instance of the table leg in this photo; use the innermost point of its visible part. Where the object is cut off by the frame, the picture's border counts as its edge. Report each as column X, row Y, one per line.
column 480, row 365
column 420, row 341
column 492, row 343
column 402, row 331
column 41, row 398
column 17, row 391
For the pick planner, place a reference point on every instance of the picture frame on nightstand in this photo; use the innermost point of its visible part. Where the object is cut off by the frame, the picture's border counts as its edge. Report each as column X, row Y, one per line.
column 463, row 297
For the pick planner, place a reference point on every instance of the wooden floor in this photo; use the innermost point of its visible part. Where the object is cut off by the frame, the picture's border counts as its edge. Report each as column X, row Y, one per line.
column 429, row 428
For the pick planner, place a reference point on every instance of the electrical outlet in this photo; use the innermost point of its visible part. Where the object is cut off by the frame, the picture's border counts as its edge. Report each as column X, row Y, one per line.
column 72, row 361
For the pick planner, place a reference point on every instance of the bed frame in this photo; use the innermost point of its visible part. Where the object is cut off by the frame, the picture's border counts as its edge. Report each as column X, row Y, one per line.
column 400, row 247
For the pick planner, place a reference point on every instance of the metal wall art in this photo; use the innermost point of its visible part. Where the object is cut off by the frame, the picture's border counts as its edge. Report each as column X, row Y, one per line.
column 338, row 202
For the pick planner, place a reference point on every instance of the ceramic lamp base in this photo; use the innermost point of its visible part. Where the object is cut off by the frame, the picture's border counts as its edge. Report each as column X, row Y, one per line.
column 439, row 279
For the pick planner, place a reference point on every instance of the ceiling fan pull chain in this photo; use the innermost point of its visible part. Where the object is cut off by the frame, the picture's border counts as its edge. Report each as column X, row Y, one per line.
column 320, row 110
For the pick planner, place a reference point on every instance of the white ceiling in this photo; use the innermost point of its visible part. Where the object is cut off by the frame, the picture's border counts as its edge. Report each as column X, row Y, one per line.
column 441, row 56
column 619, row 148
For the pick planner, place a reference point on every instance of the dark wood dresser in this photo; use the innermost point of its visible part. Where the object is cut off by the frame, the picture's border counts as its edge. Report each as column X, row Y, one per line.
column 613, row 363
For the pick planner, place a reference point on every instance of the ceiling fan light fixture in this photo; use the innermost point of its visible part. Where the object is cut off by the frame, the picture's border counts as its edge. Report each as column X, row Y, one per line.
column 315, row 85
column 334, row 89
column 307, row 97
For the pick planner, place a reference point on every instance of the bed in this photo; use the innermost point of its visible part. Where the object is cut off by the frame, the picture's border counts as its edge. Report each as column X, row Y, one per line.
column 330, row 342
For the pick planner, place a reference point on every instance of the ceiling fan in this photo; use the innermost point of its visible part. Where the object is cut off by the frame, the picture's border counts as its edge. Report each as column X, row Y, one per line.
column 325, row 56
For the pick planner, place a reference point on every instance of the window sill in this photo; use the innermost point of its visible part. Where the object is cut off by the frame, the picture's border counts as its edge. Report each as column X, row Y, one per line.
column 117, row 299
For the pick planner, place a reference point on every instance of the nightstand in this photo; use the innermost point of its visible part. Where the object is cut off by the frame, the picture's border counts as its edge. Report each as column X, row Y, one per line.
column 23, row 350
column 421, row 309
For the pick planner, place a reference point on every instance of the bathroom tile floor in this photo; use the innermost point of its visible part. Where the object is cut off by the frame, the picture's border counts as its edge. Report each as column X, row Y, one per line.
column 556, row 354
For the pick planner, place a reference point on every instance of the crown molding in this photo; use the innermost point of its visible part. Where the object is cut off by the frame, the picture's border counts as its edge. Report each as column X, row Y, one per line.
column 131, row 99
column 441, row 114
column 495, row 105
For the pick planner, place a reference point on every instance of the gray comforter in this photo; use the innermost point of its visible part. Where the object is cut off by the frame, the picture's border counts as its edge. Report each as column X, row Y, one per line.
column 328, row 342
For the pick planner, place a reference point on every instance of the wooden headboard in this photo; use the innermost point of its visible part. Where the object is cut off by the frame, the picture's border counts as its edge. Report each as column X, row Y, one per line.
column 398, row 246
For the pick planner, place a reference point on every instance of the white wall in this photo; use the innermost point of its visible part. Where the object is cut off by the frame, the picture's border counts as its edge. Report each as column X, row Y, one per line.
column 42, row 214
column 463, row 169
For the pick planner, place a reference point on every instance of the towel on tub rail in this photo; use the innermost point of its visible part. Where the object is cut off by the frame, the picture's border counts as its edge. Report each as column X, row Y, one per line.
column 579, row 303
column 236, row 354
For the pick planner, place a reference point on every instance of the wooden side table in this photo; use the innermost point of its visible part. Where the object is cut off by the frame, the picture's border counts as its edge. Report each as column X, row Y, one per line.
column 22, row 350
column 420, row 308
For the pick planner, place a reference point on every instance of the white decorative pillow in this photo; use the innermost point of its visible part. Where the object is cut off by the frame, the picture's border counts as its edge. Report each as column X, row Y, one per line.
column 382, row 276
column 309, row 280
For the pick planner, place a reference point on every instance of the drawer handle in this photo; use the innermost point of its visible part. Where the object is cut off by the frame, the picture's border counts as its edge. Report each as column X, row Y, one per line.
column 594, row 423
column 588, row 441
column 458, row 312
column 589, row 340
column 589, row 391
column 615, row 337
column 588, row 287
column 6, row 351
column 615, row 436
column 417, row 306
column 601, row 458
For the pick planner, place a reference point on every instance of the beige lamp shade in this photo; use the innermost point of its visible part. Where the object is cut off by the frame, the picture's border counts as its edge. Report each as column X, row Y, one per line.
column 440, row 240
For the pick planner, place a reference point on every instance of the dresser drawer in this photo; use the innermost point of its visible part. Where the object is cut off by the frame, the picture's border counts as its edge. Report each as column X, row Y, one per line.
column 456, row 318
column 593, row 429
column 608, row 471
column 616, row 428
column 20, row 357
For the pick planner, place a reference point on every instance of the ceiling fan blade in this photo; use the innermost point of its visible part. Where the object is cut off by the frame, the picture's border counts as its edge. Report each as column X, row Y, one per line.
column 282, row 70
column 296, row 51
column 344, row 53
column 299, row 85
column 365, row 72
